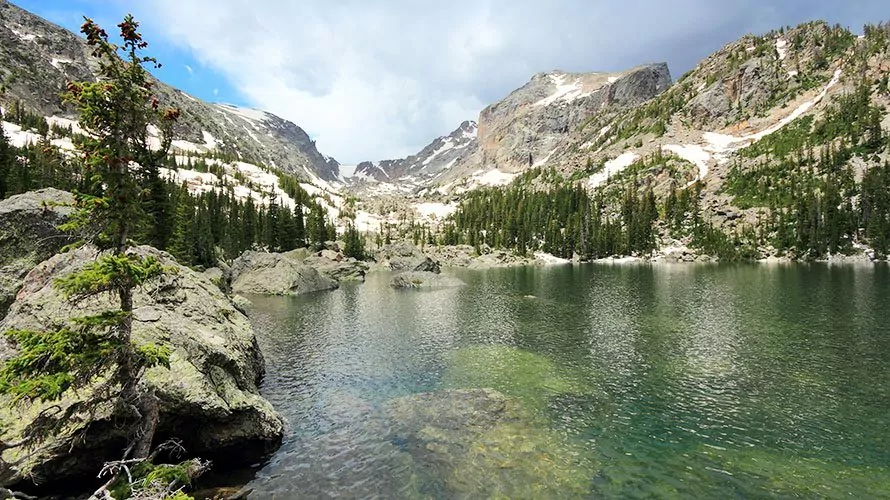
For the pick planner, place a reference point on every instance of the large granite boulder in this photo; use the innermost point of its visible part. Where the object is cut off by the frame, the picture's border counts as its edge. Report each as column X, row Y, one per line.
column 403, row 256
column 29, row 225
column 275, row 274
column 424, row 279
column 29, row 234
column 209, row 397
column 336, row 266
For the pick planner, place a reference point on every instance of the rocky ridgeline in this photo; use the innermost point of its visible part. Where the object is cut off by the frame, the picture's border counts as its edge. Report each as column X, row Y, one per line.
column 525, row 129
column 457, row 148
column 528, row 127
column 38, row 58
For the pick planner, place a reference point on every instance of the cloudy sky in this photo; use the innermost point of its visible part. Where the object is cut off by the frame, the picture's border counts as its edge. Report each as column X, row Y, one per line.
column 377, row 79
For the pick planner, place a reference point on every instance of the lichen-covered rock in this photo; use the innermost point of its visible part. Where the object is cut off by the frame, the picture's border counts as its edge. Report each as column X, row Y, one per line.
column 403, row 256
column 424, row 279
column 209, row 397
column 337, row 267
column 29, row 225
column 275, row 274
column 29, row 234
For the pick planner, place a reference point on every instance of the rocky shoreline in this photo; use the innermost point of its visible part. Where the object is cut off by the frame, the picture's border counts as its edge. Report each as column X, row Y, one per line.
column 209, row 398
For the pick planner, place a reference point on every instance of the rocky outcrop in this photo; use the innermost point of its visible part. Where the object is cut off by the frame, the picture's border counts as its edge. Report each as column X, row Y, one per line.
column 209, row 397
column 403, row 256
column 29, row 225
column 275, row 274
column 29, row 234
column 530, row 126
column 424, row 279
column 337, row 267
column 443, row 153
column 525, row 129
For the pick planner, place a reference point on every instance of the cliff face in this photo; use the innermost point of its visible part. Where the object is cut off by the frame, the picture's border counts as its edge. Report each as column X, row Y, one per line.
column 38, row 58
column 442, row 154
column 526, row 128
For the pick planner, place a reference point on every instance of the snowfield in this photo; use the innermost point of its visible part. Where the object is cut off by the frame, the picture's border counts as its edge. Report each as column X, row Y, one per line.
column 565, row 92
column 437, row 211
column 611, row 168
column 694, row 154
column 251, row 115
column 20, row 138
column 720, row 144
column 493, row 178
column 782, row 48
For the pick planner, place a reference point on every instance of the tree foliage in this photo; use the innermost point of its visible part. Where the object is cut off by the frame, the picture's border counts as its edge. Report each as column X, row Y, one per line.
column 97, row 353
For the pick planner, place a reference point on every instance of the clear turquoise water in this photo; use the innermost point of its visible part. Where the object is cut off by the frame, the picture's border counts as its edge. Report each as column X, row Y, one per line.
column 677, row 381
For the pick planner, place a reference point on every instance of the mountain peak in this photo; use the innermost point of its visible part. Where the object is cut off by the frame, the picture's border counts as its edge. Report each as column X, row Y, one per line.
column 38, row 58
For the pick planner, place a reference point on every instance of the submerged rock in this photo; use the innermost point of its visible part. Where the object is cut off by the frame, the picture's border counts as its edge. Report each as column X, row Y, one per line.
column 529, row 376
column 479, row 443
column 209, row 397
column 424, row 279
column 275, row 274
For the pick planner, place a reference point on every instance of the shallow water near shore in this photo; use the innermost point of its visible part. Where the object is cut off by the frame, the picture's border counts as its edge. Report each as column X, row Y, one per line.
column 666, row 381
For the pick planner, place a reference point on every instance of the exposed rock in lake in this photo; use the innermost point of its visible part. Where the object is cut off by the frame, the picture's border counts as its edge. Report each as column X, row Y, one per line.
column 424, row 279
column 209, row 397
column 403, row 256
column 275, row 274
column 336, row 266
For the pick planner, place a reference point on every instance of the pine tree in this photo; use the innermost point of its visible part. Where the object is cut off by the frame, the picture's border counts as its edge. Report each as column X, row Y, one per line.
column 7, row 162
column 299, row 226
column 115, row 110
column 354, row 243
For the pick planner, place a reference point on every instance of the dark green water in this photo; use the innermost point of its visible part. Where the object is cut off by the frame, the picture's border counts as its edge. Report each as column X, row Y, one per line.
column 640, row 382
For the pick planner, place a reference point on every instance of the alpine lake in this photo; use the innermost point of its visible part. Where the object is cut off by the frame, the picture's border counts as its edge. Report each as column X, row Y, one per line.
column 584, row 381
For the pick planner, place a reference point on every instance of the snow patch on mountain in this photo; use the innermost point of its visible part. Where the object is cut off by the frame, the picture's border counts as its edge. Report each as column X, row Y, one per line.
column 57, row 63
column 612, row 167
column 782, row 48
column 543, row 161
column 471, row 131
column 721, row 144
column 20, row 138
column 438, row 211
column 210, row 142
column 251, row 115
column 493, row 178
column 446, row 145
column 25, row 37
column 692, row 153
column 565, row 92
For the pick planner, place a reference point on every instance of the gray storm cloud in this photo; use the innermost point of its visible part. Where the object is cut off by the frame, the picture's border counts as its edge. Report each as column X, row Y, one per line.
column 375, row 79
